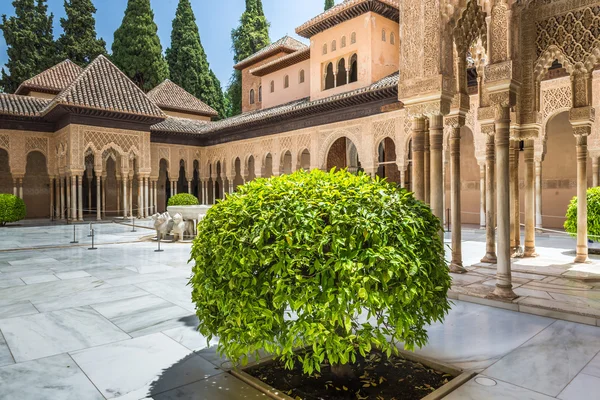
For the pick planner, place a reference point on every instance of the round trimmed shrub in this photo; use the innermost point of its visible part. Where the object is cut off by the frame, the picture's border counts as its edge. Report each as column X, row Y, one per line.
column 335, row 261
column 12, row 209
column 593, row 215
column 183, row 199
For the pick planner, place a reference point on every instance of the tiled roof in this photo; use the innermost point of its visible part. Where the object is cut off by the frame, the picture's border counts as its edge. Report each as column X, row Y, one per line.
column 282, row 62
column 27, row 106
column 180, row 125
column 102, row 86
column 170, row 96
column 298, row 106
column 52, row 80
column 347, row 10
column 286, row 44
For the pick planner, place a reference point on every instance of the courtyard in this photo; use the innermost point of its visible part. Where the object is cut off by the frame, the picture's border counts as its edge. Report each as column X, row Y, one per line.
column 118, row 323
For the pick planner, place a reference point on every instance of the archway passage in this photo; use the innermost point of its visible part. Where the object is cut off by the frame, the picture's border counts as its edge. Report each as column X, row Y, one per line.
column 268, row 168
column 238, row 180
column 251, row 171
column 343, row 154
column 182, row 183
column 6, row 180
column 304, row 160
column 36, row 186
column 164, row 188
column 287, row 163
column 387, row 167
column 196, row 191
column 329, row 77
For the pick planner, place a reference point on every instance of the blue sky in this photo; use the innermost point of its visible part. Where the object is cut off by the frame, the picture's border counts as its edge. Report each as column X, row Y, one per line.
column 215, row 20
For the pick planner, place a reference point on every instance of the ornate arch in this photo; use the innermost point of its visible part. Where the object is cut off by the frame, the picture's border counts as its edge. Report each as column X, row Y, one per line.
column 330, row 140
column 546, row 59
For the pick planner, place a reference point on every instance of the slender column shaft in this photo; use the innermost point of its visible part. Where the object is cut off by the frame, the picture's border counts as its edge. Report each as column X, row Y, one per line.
column 456, row 264
column 21, row 187
column 436, row 136
column 15, row 185
column 595, row 171
column 147, row 194
column 68, row 196
column 57, row 198
column 140, row 197
column 490, row 201
column 74, row 198
column 529, row 199
column 125, row 199
column 62, row 197
column 119, row 201
column 482, row 196
column 513, row 195
column 89, row 197
column 98, row 198
column 131, row 210
column 104, row 196
column 189, row 187
column 516, row 199
column 402, row 178
column 80, row 197
column 538, row 194
column 52, row 180
column 503, row 275
column 427, row 163
column 582, row 237
column 418, row 181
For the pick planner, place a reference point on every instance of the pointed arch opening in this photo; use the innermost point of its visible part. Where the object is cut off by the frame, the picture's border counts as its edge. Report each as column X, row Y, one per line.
column 353, row 75
column 329, row 77
column 342, row 73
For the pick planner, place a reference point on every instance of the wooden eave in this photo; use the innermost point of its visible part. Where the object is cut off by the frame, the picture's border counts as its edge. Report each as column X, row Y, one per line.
column 283, row 62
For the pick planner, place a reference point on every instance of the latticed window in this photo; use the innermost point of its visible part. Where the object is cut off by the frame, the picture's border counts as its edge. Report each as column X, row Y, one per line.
column 343, row 41
column 301, row 77
column 333, row 46
column 353, row 38
column 251, row 96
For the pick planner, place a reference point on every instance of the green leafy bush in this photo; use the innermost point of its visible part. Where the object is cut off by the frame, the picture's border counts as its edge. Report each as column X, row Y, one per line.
column 593, row 215
column 306, row 259
column 183, row 199
column 12, row 209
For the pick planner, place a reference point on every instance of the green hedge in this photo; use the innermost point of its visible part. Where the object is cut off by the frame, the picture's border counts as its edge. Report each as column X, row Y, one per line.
column 12, row 209
column 183, row 199
column 593, row 215
column 323, row 247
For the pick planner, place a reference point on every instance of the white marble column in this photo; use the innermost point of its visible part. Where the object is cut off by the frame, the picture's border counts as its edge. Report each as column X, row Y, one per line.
column 490, row 200
column 582, row 235
column 402, row 177
column 427, row 164
column 80, row 198
column 482, row 196
column 119, row 190
column 74, row 197
column 155, row 196
column 538, row 195
column 529, row 199
column 189, row 182
column 89, row 199
column 418, row 142
column 436, row 144
column 68, row 197
column 103, row 196
column 52, row 197
column 98, row 197
column 146, row 197
column 595, row 171
column 125, row 197
column 502, row 142
column 456, row 265
column 140, row 198
column 62, row 197
column 15, row 186
column 21, row 187
column 132, row 212
column 515, row 220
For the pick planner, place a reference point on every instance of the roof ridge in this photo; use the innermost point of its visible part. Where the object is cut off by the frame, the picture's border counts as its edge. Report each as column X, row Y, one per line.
column 170, row 95
column 286, row 42
column 30, row 82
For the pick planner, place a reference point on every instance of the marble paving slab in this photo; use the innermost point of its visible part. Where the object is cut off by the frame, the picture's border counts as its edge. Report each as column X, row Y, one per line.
column 189, row 336
column 139, row 278
column 88, row 297
column 221, row 387
column 17, row 310
column 52, row 378
column 6, row 283
column 72, row 275
column 143, row 315
column 582, row 387
column 6, row 357
column 46, row 290
column 175, row 290
column 593, row 367
column 133, row 369
column 42, row 335
column 552, row 358
column 42, row 278
column 474, row 336
column 493, row 389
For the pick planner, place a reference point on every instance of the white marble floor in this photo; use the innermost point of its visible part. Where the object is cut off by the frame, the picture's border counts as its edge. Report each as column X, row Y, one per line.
column 117, row 323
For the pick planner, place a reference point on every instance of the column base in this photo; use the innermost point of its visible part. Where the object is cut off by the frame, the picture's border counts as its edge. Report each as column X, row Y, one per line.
column 489, row 258
column 517, row 252
column 457, row 268
column 482, row 227
column 581, row 259
column 502, row 292
column 530, row 252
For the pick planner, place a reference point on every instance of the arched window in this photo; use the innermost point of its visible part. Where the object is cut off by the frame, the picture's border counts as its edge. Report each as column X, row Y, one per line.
column 286, row 82
column 325, row 48
column 341, row 74
column 251, row 96
column 260, row 94
column 329, row 78
column 272, row 86
column 392, row 38
column 353, row 38
column 301, row 77
column 333, row 46
column 383, row 35
column 353, row 68
column 343, row 41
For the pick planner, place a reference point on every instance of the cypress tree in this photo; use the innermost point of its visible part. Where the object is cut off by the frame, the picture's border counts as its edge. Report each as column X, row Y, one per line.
column 136, row 48
column 79, row 42
column 329, row 4
column 31, row 48
column 220, row 104
column 188, row 64
column 251, row 36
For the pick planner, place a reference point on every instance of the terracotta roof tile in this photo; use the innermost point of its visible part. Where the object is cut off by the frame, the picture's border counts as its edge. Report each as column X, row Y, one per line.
column 285, row 44
column 170, row 96
column 282, row 62
column 102, row 86
column 347, row 10
column 12, row 104
column 180, row 125
column 52, row 80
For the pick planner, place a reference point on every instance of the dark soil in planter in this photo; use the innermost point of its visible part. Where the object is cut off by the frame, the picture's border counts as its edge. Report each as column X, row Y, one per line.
column 377, row 377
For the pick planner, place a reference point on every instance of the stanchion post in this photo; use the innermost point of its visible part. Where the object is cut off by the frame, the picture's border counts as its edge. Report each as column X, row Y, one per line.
column 93, row 248
column 74, row 238
column 448, row 219
column 159, row 249
column 133, row 222
column 91, row 229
